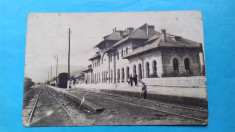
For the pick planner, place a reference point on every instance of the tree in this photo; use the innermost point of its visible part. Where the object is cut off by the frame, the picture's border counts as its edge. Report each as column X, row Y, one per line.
column 28, row 83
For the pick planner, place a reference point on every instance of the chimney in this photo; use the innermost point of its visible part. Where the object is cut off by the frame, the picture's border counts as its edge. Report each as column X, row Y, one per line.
column 130, row 30
column 163, row 35
column 114, row 30
column 121, row 33
column 150, row 29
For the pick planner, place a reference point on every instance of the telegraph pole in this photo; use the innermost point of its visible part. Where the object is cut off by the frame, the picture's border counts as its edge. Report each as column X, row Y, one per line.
column 69, row 57
column 51, row 73
column 48, row 77
column 56, row 69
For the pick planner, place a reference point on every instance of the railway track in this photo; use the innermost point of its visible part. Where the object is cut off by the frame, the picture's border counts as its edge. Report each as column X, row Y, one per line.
column 74, row 121
column 34, row 106
column 53, row 104
column 155, row 102
column 180, row 111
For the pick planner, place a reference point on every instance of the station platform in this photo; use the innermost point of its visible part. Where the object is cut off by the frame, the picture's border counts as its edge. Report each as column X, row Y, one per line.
column 134, row 92
column 176, row 95
column 176, row 90
column 199, row 92
column 192, row 87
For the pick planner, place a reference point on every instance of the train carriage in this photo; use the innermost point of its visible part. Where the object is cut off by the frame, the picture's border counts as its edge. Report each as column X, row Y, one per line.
column 62, row 80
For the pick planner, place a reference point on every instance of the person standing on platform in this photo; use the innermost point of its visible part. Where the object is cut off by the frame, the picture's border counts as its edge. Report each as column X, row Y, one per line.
column 131, row 80
column 143, row 91
column 135, row 79
column 68, row 85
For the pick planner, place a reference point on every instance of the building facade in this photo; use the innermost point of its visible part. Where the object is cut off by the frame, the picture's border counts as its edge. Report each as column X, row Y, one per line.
column 146, row 53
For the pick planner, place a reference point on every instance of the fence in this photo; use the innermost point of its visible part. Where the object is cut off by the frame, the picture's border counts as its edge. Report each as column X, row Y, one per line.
column 177, row 81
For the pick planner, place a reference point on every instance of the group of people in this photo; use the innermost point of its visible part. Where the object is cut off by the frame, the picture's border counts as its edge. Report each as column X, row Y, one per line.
column 143, row 94
column 134, row 79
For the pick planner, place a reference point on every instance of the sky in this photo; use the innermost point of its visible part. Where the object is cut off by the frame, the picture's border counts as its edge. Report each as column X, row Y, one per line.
column 47, row 35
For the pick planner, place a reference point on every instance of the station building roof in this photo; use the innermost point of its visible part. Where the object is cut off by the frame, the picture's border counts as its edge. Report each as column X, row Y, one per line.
column 115, row 36
column 97, row 55
column 171, row 41
column 88, row 70
column 139, row 33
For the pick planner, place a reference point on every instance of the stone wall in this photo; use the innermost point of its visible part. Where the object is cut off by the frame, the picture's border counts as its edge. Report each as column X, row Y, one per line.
column 181, row 55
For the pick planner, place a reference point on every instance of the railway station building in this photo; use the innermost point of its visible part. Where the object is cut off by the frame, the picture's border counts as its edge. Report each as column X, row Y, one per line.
column 144, row 52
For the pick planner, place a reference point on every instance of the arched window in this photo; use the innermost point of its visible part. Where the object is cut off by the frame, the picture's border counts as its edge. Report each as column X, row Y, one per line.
column 107, row 76
column 102, row 76
column 176, row 66
column 110, row 58
column 123, row 74
column 140, row 71
column 154, row 68
column 95, row 77
column 99, row 76
column 147, row 69
column 111, row 76
column 127, row 73
column 105, row 57
column 91, row 78
column 187, row 66
column 126, row 50
column 134, row 70
column 118, row 75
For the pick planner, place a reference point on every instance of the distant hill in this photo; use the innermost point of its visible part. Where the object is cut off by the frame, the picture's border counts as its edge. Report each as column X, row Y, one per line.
column 42, row 73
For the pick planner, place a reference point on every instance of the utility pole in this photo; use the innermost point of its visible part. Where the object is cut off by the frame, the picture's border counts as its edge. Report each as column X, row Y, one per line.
column 68, row 81
column 51, row 73
column 56, row 57
column 48, row 77
column 69, row 57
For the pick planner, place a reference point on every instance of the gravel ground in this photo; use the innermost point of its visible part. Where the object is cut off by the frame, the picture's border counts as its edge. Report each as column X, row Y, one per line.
column 49, row 113
column 117, row 113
